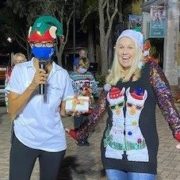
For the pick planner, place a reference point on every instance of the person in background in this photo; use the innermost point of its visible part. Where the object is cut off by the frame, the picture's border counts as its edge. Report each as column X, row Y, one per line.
column 17, row 58
column 129, row 145
column 82, row 53
column 84, row 84
column 150, row 52
column 38, row 132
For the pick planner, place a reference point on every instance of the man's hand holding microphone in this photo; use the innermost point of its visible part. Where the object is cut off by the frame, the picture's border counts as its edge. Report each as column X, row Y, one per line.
column 40, row 77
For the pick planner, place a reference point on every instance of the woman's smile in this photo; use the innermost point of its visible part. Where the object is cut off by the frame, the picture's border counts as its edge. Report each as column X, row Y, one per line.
column 126, row 52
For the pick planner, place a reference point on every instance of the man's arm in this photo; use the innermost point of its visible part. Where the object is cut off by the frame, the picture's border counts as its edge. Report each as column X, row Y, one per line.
column 16, row 102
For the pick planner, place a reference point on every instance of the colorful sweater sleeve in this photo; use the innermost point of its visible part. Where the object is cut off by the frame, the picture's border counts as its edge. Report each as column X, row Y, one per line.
column 88, row 126
column 164, row 98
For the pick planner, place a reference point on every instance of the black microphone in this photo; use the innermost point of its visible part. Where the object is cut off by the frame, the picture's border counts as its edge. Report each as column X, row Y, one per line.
column 42, row 65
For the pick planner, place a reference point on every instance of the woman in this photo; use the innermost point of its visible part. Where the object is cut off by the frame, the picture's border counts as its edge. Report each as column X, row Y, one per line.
column 38, row 132
column 84, row 84
column 130, row 141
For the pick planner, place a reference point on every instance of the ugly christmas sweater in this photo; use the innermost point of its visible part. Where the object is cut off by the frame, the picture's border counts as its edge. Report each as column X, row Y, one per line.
column 83, row 80
column 130, row 140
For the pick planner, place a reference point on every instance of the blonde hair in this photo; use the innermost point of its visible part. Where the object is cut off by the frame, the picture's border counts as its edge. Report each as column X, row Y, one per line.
column 117, row 72
column 16, row 56
column 84, row 62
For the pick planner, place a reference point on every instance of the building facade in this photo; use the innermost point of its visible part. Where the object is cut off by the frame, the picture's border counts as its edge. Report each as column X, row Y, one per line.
column 161, row 20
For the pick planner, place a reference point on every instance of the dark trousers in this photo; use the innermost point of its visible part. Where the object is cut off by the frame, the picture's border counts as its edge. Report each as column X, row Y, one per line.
column 78, row 120
column 23, row 158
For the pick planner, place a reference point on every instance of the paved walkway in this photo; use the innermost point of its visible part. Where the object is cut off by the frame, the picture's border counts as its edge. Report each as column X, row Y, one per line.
column 84, row 163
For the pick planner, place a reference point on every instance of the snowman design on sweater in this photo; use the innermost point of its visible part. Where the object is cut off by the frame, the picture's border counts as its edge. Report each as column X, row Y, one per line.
column 135, row 142
column 125, row 134
column 115, row 136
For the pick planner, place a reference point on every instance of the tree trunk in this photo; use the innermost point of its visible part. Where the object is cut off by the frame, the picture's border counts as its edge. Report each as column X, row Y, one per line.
column 91, row 45
column 59, row 58
column 104, row 57
column 59, row 52
column 63, row 41
column 110, row 51
column 106, row 19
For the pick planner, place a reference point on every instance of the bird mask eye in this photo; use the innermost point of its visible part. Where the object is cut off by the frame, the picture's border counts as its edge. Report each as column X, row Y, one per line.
column 114, row 106
column 137, row 106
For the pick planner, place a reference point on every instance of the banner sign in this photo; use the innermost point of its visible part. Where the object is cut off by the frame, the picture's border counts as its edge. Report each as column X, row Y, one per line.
column 135, row 22
column 158, row 22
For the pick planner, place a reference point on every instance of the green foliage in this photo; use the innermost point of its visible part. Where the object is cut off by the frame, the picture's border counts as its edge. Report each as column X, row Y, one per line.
column 101, row 79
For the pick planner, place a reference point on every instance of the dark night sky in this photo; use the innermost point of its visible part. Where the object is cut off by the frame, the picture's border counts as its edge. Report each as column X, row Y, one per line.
column 2, row 3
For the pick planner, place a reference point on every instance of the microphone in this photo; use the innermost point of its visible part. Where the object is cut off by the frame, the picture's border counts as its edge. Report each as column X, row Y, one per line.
column 42, row 65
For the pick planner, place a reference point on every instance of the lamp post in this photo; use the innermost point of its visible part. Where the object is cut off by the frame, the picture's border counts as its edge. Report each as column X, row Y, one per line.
column 10, row 41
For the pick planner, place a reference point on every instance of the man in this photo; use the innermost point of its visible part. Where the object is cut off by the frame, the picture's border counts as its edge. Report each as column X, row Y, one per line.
column 38, row 132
